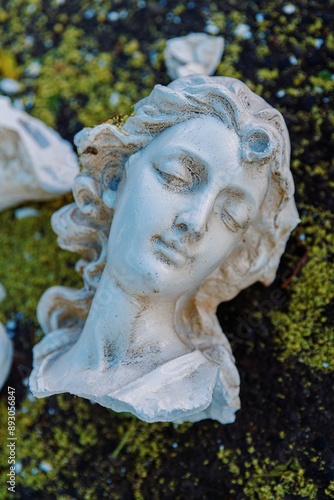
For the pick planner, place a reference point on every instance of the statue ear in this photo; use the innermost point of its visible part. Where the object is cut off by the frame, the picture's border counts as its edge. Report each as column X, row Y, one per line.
column 258, row 145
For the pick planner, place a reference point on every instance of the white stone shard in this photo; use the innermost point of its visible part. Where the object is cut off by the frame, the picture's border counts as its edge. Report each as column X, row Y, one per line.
column 6, row 355
column 35, row 162
column 194, row 54
column 185, row 205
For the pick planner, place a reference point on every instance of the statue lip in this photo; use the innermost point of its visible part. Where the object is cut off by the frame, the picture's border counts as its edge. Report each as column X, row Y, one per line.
column 171, row 251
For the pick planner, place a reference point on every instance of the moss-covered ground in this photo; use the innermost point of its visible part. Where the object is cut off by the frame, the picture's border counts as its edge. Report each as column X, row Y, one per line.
column 80, row 62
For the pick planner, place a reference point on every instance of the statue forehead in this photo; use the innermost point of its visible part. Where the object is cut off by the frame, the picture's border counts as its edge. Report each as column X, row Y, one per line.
column 203, row 133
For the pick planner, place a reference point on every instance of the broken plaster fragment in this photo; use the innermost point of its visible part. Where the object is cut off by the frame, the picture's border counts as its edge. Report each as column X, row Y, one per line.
column 35, row 162
column 6, row 355
column 194, row 54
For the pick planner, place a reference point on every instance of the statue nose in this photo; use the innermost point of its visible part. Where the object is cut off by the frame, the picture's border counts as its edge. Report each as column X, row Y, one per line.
column 192, row 223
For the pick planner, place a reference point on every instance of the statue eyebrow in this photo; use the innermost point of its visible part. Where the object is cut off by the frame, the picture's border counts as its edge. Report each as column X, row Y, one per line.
column 240, row 192
column 188, row 154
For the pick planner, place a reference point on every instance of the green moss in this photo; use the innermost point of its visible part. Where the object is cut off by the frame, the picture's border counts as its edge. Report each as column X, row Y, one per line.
column 70, row 74
column 80, row 436
column 30, row 260
column 305, row 329
column 329, row 491
column 262, row 479
column 227, row 66
column 267, row 74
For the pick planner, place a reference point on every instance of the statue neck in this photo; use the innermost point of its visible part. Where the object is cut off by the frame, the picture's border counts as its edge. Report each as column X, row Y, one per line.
column 121, row 329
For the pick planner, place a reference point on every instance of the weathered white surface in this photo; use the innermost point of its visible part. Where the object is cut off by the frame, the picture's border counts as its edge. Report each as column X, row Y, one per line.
column 6, row 355
column 203, row 209
column 35, row 162
column 194, row 54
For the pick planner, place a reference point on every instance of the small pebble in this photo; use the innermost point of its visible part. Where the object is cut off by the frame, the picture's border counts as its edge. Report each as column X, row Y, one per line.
column 34, row 69
column 318, row 42
column 211, row 28
column 45, row 466
column 289, row 8
column 259, row 17
column 243, row 31
column 18, row 467
column 280, row 93
column 113, row 16
column 293, row 60
column 9, row 86
column 123, row 14
column 26, row 212
column 89, row 14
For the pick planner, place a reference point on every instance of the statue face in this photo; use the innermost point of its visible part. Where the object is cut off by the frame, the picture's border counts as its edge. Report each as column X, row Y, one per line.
column 183, row 208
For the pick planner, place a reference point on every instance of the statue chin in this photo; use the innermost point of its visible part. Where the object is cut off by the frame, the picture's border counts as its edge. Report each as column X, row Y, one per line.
column 184, row 206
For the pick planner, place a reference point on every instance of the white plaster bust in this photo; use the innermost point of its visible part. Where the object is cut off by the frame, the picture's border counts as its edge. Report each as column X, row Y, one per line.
column 184, row 206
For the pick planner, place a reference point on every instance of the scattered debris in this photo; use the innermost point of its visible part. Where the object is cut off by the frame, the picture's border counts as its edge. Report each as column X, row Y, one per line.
column 35, row 162
column 194, row 54
column 6, row 355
